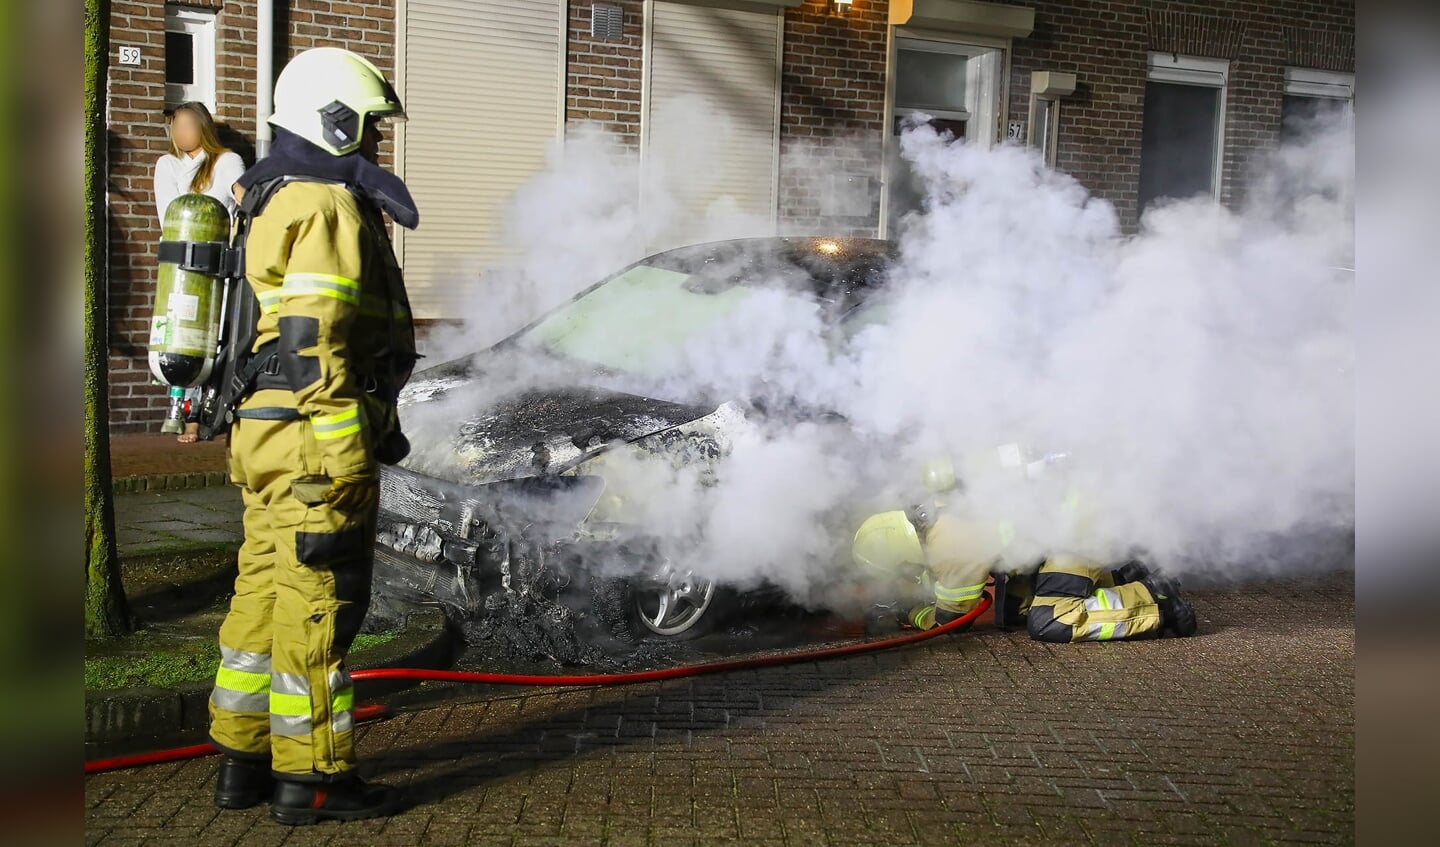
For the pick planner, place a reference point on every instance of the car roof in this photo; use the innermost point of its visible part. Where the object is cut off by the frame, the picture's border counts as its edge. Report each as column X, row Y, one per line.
column 838, row 271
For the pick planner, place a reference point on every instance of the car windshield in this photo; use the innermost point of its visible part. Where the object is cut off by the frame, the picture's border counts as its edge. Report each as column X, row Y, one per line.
column 647, row 313
column 634, row 319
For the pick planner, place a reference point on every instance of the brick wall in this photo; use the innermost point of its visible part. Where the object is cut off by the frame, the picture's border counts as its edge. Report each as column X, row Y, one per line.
column 832, row 120
column 1106, row 44
column 832, row 99
column 603, row 76
column 832, row 113
column 137, row 136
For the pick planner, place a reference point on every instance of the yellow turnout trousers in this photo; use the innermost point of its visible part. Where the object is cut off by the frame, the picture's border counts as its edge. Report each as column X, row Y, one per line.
column 959, row 553
column 282, row 691
column 1076, row 600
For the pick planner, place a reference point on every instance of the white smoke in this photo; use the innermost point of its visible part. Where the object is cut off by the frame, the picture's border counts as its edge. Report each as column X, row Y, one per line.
column 1197, row 375
column 575, row 222
column 593, row 210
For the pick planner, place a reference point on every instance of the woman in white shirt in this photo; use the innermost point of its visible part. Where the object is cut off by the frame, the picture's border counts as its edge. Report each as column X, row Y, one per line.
column 197, row 161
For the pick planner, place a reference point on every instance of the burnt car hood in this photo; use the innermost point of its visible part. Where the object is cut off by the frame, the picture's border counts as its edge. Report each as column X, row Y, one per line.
column 462, row 435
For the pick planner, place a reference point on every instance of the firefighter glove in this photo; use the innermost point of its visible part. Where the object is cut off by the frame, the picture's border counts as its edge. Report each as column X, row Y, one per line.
column 393, row 448
column 356, row 494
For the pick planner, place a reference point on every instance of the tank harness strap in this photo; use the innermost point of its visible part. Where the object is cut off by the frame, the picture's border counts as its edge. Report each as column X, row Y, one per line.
column 270, row 413
column 203, row 257
column 262, row 371
column 263, row 362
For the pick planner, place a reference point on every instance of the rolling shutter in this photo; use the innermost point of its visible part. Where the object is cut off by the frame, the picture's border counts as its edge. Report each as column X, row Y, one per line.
column 482, row 84
column 712, row 123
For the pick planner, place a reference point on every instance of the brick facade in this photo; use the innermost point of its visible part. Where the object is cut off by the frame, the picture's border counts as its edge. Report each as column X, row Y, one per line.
column 832, row 112
column 832, row 96
column 138, row 136
column 1106, row 45
column 603, row 76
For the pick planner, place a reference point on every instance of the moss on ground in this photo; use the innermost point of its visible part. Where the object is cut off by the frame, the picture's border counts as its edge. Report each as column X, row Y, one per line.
column 179, row 599
column 156, row 662
column 142, row 574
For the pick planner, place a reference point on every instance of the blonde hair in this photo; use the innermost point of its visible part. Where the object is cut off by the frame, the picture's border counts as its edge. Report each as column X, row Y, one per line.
column 209, row 142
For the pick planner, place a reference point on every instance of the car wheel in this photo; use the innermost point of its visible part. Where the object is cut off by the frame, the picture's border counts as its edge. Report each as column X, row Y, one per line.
column 678, row 605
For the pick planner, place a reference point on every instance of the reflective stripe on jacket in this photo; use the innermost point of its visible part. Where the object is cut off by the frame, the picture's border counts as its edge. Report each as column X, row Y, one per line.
column 331, row 294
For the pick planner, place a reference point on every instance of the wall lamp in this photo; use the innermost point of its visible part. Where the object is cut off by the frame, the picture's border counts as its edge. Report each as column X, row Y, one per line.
column 839, row 8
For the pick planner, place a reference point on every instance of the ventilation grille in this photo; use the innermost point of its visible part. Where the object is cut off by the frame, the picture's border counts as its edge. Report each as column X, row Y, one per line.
column 607, row 22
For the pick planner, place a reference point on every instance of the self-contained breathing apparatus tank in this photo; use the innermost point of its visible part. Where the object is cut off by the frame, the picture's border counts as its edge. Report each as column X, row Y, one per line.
column 205, row 313
column 185, row 326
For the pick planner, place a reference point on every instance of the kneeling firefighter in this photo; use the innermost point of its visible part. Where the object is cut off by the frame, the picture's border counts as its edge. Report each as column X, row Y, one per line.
column 1075, row 599
column 1066, row 599
column 333, row 346
column 951, row 552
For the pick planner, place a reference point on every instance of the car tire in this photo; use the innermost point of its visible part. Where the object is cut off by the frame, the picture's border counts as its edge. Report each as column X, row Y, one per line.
column 618, row 603
column 706, row 623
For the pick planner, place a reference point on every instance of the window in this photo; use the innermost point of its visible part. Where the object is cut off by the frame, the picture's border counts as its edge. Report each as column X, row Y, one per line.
column 1184, row 125
column 954, row 83
column 1311, row 97
column 1044, row 127
column 958, row 86
column 931, row 75
column 189, row 56
column 1046, row 89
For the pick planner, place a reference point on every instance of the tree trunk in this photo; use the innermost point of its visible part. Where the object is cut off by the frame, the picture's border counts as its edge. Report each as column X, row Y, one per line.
column 106, row 613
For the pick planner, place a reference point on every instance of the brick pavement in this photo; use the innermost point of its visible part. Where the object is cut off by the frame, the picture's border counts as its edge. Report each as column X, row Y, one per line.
column 169, row 521
column 155, row 453
column 1243, row 735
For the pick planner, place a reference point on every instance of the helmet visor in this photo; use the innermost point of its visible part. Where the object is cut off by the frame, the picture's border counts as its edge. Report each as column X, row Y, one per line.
column 393, row 109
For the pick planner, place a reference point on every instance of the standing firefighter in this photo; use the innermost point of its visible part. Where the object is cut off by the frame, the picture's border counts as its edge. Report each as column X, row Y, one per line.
column 334, row 345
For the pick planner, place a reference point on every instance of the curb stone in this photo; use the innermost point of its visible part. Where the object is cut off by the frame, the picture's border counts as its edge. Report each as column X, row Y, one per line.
column 167, row 482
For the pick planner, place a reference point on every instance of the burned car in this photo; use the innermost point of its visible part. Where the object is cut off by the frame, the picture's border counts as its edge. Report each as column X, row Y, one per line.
column 507, row 508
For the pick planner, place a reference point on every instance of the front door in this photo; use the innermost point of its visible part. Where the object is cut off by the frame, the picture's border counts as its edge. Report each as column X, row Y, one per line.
column 951, row 86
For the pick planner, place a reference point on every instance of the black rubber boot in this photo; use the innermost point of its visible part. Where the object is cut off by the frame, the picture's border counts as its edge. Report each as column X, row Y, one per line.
column 1132, row 571
column 301, row 803
column 943, row 616
column 1177, row 616
column 1011, row 592
column 1008, row 613
column 243, row 783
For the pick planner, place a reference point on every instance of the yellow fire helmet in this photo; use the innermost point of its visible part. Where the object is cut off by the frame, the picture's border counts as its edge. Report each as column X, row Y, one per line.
column 938, row 475
column 885, row 542
column 325, row 94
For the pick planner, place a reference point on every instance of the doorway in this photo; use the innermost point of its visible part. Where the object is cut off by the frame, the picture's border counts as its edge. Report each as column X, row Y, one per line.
column 951, row 86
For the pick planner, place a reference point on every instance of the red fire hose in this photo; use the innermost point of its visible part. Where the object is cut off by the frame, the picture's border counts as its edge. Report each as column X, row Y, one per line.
column 367, row 713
